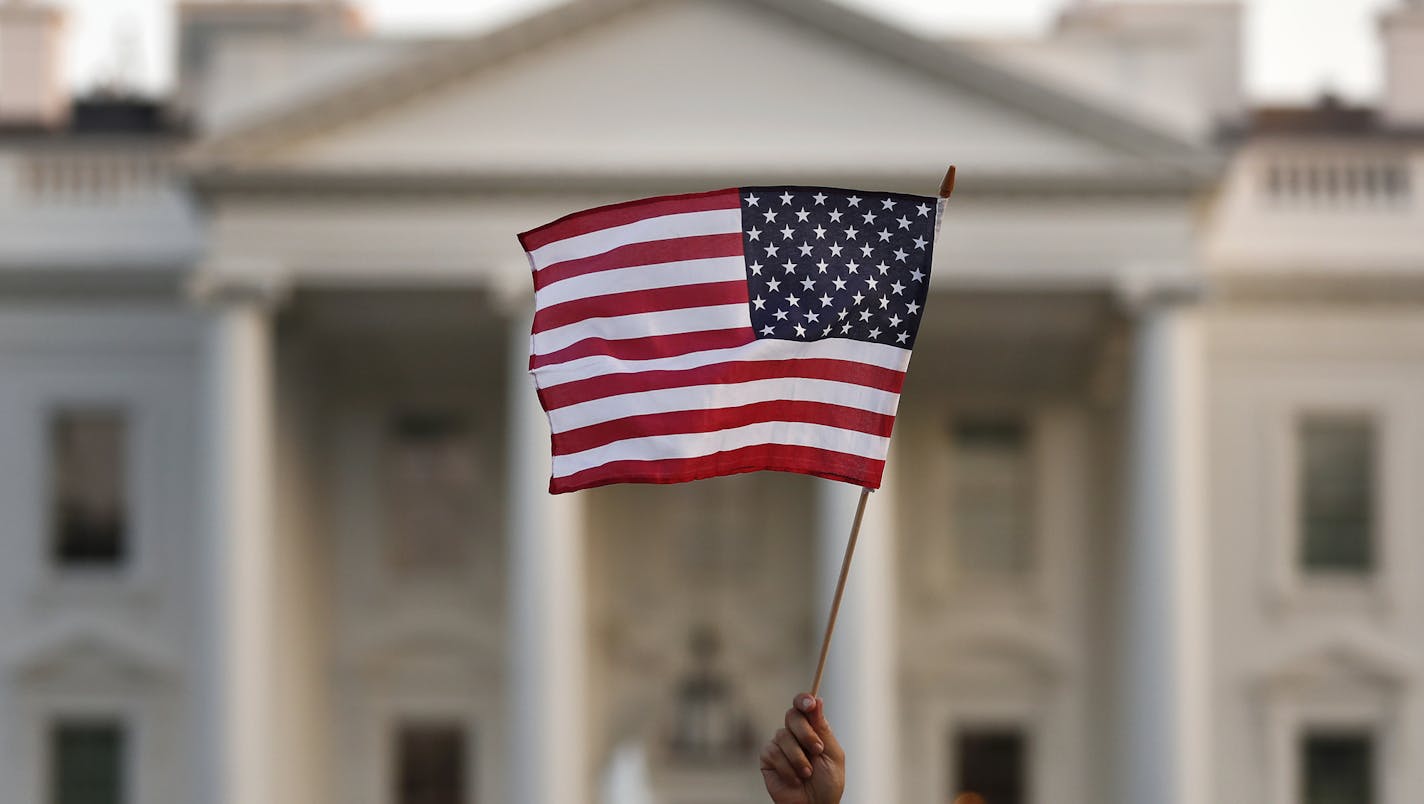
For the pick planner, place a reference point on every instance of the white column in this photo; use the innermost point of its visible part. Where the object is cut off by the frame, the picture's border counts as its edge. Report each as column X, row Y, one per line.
column 239, row 549
column 548, row 746
column 860, row 685
column 1163, row 709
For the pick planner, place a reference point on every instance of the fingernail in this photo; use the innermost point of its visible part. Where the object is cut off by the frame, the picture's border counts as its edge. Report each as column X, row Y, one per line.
column 819, row 748
column 806, row 771
column 807, row 703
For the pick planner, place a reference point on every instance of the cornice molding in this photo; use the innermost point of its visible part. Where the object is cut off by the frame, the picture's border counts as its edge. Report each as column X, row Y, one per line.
column 213, row 182
column 1399, row 288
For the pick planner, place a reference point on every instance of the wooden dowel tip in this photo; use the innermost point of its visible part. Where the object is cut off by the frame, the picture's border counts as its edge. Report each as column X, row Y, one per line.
column 946, row 187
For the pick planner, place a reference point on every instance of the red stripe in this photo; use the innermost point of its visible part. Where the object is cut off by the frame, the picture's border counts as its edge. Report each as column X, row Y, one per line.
column 646, row 348
column 592, row 220
column 652, row 252
column 571, row 393
column 682, row 297
column 707, row 421
column 777, row 457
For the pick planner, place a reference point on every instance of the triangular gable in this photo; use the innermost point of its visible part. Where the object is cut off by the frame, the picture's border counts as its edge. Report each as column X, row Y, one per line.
column 659, row 83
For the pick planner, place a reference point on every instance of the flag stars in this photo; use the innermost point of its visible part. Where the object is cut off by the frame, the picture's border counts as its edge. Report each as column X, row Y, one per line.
column 828, row 250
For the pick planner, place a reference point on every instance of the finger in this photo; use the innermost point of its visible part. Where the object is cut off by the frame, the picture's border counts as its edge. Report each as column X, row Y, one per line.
column 800, row 727
column 786, row 741
column 815, row 711
column 772, row 759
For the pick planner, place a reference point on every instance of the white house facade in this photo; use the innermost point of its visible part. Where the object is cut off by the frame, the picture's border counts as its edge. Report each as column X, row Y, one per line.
column 276, row 527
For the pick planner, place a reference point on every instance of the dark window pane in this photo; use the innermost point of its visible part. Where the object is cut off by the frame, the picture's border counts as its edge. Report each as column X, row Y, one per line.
column 991, row 764
column 991, row 496
column 88, row 500
column 1337, row 494
column 1338, row 768
column 87, row 762
column 432, row 480
column 430, row 764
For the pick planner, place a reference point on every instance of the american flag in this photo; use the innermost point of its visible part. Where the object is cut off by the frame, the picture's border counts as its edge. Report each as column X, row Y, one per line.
column 689, row 336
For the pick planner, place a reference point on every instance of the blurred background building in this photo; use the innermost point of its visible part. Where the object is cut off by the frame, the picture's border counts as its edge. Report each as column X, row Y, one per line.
column 274, row 522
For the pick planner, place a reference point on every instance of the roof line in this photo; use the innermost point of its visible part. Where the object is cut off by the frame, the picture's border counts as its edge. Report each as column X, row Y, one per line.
column 943, row 61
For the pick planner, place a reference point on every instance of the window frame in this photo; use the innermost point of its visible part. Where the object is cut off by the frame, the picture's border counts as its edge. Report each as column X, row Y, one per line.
column 1302, row 421
column 129, row 467
column 125, row 758
column 1032, row 487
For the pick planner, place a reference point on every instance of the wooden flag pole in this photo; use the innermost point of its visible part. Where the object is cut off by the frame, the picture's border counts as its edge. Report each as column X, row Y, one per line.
column 840, row 592
column 946, row 188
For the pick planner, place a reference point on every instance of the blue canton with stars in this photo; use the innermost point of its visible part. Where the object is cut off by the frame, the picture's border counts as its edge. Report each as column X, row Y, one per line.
column 828, row 263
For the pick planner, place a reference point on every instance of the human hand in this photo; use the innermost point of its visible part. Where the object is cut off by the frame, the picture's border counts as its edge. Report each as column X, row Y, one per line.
column 803, row 763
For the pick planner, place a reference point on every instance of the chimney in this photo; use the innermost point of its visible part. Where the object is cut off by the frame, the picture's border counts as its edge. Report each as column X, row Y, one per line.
column 1403, row 29
column 32, row 91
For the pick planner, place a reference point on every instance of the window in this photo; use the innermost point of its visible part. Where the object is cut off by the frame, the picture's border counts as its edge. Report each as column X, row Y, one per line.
column 88, row 500
column 990, row 766
column 1337, row 768
column 432, row 493
column 1337, row 494
column 991, row 496
column 87, row 762
column 430, row 764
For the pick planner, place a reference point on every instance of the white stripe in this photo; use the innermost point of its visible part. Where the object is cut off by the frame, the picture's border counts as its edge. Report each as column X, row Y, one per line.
column 722, row 395
column 644, row 325
column 643, row 277
column 663, row 227
column 696, row 445
column 873, row 354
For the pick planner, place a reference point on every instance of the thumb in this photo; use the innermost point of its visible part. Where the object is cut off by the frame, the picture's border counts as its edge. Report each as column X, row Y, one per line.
column 815, row 711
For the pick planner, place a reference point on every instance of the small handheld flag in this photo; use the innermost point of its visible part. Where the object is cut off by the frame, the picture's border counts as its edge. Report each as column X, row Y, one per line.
column 690, row 336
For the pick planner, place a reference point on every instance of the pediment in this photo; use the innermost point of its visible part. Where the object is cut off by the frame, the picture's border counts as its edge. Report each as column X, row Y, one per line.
column 1343, row 655
column 83, row 653
column 755, row 88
